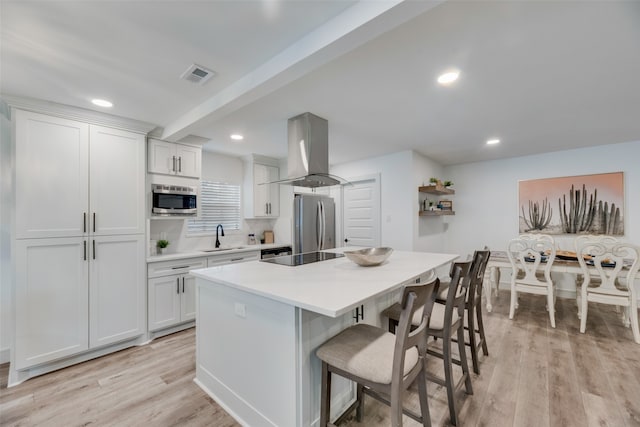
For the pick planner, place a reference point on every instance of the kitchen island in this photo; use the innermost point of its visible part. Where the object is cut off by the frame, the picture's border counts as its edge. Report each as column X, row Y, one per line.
column 258, row 325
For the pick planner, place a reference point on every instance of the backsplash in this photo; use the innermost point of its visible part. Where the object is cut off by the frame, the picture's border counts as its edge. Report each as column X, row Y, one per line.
column 175, row 231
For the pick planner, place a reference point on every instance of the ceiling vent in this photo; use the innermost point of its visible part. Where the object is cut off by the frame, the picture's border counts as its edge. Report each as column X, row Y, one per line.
column 197, row 74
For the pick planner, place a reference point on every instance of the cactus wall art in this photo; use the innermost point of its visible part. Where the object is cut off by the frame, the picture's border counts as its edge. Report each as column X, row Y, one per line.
column 585, row 204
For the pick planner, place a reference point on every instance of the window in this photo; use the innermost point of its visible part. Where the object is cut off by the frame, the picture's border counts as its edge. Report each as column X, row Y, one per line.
column 219, row 204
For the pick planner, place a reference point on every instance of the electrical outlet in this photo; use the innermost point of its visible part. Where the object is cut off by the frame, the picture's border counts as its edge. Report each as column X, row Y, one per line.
column 240, row 310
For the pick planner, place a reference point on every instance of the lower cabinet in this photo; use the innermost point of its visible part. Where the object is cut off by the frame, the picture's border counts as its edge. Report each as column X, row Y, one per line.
column 76, row 293
column 172, row 300
column 172, row 292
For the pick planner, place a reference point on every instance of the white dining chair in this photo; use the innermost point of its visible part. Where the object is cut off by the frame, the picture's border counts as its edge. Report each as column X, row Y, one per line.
column 531, row 257
column 579, row 240
column 607, row 280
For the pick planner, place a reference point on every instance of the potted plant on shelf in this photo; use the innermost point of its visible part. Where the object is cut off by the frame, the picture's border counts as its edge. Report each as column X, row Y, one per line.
column 448, row 184
column 433, row 181
column 162, row 244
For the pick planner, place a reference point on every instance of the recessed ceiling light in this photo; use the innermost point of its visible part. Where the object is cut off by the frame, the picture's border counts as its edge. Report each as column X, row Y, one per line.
column 237, row 137
column 102, row 103
column 493, row 141
column 448, row 77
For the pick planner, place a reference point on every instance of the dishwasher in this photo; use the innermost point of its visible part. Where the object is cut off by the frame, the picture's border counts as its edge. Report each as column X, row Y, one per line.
column 274, row 252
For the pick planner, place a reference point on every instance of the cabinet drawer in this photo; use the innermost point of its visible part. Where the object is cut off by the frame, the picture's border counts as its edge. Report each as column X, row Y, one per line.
column 165, row 268
column 213, row 261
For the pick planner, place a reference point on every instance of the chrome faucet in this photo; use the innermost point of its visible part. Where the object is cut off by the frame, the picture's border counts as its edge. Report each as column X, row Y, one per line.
column 219, row 227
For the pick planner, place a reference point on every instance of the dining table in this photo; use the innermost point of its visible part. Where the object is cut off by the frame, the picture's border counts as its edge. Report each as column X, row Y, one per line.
column 500, row 259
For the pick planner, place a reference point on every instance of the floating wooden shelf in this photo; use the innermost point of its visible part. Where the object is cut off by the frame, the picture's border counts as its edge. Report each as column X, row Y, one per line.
column 435, row 213
column 436, row 189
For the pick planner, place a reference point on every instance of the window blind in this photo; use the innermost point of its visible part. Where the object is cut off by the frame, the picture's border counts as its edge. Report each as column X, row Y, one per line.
column 219, row 204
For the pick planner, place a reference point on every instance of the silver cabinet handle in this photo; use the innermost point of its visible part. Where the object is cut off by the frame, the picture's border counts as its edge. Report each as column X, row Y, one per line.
column 94, row 222
column 180, row 164
column 179, row 267
column 84, row 222
column 94, row 248
column 183, row 285
column 236, row 259
column 85, row 249
column 177, row 285
column 173, row 167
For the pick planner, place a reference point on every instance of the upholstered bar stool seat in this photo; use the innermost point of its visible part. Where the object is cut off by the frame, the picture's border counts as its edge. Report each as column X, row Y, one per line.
column 366, row 351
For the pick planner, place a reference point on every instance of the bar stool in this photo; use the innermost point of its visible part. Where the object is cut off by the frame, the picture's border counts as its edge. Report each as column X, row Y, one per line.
column 383, row 365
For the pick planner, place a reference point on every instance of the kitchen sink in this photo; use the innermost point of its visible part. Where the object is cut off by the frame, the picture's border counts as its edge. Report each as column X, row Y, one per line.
column 223, row 249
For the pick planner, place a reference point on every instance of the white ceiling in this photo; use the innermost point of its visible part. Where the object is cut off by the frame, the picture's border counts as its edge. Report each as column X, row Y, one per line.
column 541, row 76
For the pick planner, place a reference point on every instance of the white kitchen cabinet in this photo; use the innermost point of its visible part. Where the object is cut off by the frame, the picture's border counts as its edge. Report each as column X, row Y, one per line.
column 117, row 297
column 170, row 158
column 261, row 201
column 73, row 178
column 117, row 181
column 171, row 291
column 164, row 302
column 52, row 176
column 80, row 193
column 77, row 293
column 51, row 301
column 233, row 257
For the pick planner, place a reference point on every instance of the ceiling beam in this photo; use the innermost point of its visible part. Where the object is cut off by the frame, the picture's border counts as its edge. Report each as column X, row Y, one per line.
column 355, row 26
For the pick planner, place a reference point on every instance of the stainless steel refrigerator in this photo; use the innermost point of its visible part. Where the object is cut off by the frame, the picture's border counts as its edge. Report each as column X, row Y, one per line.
column 313, row 223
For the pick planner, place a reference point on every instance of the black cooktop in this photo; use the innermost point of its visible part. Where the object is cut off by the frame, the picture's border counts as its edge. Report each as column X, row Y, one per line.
column 301, row 259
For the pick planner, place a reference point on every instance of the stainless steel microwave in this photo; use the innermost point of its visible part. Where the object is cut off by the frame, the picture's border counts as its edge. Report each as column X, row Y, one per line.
column 174, row 200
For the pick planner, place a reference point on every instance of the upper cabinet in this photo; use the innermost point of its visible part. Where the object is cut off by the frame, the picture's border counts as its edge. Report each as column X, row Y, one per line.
column 170, row 158
column 261, row 200
column 74, row 178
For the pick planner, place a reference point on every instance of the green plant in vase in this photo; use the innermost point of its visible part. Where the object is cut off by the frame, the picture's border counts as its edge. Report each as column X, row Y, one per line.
column 448, row 183
column 162, row 244
column 433, row 181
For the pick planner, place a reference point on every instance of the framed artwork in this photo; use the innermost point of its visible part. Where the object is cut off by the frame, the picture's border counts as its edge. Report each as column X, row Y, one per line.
column 584, row 204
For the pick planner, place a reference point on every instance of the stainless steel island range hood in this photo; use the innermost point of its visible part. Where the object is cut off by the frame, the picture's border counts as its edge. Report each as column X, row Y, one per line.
column 308, row 162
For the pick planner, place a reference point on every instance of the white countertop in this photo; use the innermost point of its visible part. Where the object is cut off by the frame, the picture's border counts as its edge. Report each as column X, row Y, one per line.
column 332, row 287
column 203, row 253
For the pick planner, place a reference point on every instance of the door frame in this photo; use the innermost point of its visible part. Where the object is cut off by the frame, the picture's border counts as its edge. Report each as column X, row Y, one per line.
column 378, row 202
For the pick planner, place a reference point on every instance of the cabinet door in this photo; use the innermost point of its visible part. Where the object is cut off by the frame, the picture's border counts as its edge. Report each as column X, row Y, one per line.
column 273, row 198
column 162, row 157
column 117, row 303
column 266, row 197
column 117, row 178
column 52, row 171
column 188, row 298
column 164, row 301
column 260, row 192
column 51, row 299
column 189, row 161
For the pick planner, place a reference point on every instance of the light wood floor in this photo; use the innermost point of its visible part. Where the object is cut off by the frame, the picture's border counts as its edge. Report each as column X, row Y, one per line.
column 534, row 376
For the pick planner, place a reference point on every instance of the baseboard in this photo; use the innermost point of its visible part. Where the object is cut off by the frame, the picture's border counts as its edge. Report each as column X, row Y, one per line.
column 5, row 355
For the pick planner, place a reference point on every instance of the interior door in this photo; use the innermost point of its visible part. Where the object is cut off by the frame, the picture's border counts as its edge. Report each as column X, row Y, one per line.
column 361, row 212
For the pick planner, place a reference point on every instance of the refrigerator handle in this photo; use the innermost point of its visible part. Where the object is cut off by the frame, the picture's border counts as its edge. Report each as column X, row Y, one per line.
column 324, row 225
column 318, row 227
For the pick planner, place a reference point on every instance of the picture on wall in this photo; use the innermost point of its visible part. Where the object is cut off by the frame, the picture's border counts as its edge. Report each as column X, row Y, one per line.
column 585, row 204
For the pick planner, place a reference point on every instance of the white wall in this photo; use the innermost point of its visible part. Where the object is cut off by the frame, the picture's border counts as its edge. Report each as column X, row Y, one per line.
column 397, row 194
column 429, row 231
column 6, row 200
column 486, row 200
